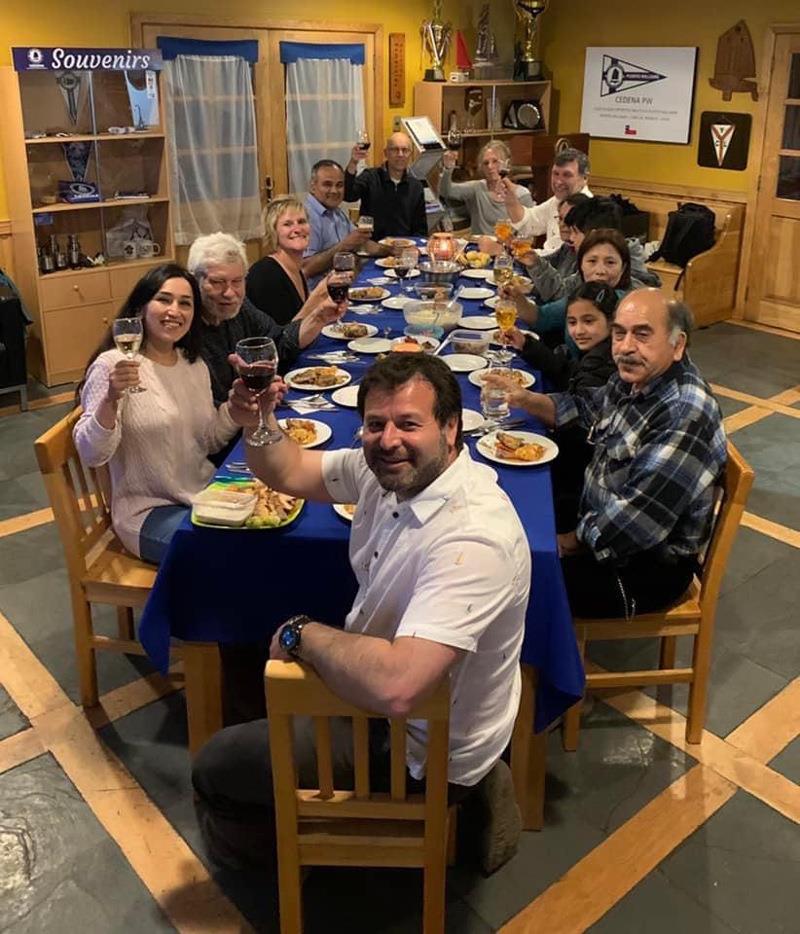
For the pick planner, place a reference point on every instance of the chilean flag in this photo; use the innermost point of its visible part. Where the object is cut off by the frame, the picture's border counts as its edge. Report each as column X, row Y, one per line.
column 629, row 130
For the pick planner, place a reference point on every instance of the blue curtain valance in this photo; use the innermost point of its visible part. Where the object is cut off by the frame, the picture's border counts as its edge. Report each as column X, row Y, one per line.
column 172, row 46
column 292, row 51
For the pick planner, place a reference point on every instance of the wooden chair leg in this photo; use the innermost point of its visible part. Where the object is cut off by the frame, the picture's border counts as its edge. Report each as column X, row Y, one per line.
column 571, row 726
column 203, row 674
column 434, row 886
column 84, row 651
column 125, row 622
column 290, row 893
column 698, row 689
column 668, row 651
column 452, row 835
column 528, row 756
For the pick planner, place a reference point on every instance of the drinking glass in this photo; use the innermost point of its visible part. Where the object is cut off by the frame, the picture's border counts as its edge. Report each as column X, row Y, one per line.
column 504, row 168
column 338, row 284
column 366, row 223
column 257, row 366
column 128, row 334
column 406, row 262
column 362, row 139
column 494, row 399
column 345, row 263
column 505, row 313
column 503, row 230
column 454, row 139
column 503, row 271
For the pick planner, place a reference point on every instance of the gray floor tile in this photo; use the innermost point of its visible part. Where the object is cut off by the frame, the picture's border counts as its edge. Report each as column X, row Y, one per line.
column 22, row 495
column 12, row 720
column 787, row 762
column 772, row 447
column 618, row 768
column 730, row 406
column 58, row 865
column 17, row 434
column 735, row 357
column 741, row 866
column 28, row 555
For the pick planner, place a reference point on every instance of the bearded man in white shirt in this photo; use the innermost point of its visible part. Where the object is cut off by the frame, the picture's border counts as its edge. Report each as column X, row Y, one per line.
column 443, row 569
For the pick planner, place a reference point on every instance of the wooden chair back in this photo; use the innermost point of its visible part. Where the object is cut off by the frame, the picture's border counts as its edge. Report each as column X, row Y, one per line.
column 80, row 497
column 359, row 826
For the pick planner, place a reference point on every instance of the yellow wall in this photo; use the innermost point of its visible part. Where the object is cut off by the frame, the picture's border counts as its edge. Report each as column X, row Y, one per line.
column 568, row 27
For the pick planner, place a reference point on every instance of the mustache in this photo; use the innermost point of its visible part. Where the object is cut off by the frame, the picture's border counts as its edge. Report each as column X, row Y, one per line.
column 627, row 358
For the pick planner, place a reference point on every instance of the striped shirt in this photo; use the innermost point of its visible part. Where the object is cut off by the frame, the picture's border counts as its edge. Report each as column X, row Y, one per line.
column 658, row 455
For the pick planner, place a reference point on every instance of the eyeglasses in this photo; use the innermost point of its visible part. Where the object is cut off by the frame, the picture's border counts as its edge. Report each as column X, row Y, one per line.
column 222, row 285
column 400, row 150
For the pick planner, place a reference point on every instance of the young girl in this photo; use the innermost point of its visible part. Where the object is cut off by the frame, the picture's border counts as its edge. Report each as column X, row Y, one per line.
column 155, row 442
column 590, row 310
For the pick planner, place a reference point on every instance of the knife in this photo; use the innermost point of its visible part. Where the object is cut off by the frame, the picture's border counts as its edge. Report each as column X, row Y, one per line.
column 486, row 427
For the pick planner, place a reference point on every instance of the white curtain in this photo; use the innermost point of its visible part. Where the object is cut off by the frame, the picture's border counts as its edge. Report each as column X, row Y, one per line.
column 324, row 112
column 210, row 120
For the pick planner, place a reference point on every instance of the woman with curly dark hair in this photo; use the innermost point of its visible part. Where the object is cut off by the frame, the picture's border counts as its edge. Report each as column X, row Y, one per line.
column 152, row 419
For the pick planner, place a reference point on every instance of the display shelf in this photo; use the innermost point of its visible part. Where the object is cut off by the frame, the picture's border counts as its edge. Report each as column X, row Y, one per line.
column 91, row 138
column 60, row 206
column 113, row 265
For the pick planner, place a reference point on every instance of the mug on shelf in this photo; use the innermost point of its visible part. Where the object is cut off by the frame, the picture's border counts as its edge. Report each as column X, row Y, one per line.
column 129, row 250
column 147, row 249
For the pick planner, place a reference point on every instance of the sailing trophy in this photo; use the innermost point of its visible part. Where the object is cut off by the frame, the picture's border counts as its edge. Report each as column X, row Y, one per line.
column 526, row 65
column 436, row 40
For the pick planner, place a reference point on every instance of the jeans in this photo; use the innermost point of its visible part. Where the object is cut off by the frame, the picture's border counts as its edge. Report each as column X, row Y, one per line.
column 157, row 530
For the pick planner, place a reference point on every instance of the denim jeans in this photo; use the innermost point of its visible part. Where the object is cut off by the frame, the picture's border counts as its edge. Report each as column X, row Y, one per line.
column 157, row 530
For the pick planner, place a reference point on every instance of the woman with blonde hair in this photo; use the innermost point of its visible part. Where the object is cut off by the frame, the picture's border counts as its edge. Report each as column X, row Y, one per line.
column 485, row 199
column 276, row 283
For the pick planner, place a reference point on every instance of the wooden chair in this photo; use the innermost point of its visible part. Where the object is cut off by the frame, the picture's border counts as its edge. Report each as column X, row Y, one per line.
column 528, row 756
column 329, row 827
column 99, row 569
column 694, row 615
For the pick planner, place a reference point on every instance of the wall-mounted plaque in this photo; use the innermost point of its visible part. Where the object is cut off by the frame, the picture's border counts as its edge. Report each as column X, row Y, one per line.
column 724, row 140
column 397, row 69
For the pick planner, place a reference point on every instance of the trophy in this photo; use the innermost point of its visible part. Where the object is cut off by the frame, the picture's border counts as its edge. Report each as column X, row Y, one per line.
column 486, row 47
column 436, row 39
column 526, row 66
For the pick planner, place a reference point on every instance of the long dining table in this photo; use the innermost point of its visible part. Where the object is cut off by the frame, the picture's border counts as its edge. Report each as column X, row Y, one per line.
column 228, row 586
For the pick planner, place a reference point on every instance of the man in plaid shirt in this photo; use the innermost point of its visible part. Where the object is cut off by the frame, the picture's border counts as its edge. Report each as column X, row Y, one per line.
column 659, row 451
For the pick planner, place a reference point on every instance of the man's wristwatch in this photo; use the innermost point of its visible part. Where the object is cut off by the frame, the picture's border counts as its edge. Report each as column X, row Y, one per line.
column 290, row 634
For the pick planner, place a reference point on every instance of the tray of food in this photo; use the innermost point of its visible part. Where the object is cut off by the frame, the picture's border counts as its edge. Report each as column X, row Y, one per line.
column 248, row 504
column 317, row 377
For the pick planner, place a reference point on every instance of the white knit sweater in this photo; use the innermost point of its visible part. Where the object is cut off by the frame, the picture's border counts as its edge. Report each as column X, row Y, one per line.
column 157, row 450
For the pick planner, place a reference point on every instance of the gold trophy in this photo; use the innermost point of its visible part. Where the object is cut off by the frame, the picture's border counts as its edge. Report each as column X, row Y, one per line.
column 526, row 66
column 436, row 40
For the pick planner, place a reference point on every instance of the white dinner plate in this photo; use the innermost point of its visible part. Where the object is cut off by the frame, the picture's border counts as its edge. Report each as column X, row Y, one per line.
column 341, row 510
column 477, row 378
column 385, row 293
column 492, row 302
column 430, row 343
column 470, row 419
column 464, row 362
column 391, row 274
column 343, row 376
column 397, row 241
column 331, row 330
column 387, row 262
column 347, row 396
column 477, row 273
column 323, row 431
column 478, row 322
column 485, row 447
column 473, row 293
column 370, row 345
column 396, row 302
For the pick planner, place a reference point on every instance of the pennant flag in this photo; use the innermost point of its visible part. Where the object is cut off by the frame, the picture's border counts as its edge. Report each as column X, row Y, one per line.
column 463, row 61
column 721, row 136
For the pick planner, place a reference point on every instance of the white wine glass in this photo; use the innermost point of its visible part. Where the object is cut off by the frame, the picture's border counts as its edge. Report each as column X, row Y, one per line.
column 503, row 271
column 128, row 334
column 257, row 366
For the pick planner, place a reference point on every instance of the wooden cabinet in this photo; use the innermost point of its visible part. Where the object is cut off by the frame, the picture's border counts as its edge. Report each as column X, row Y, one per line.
column 72, row 308
column 443, row 100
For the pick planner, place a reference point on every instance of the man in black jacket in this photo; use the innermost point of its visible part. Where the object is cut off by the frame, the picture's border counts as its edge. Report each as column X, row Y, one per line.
column 388, row 194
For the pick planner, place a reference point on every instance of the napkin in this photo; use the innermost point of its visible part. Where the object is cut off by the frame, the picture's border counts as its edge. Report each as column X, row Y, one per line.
column 303, row 408
column 380, row 280
column 362, row 309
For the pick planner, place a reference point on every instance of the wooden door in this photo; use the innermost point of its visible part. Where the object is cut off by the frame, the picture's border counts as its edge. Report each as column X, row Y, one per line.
column 774, row 292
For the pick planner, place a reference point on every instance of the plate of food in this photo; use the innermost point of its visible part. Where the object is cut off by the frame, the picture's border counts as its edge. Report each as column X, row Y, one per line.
column 414, row 343
column 396, row 243
column 495, row 336
column 409, row 275
column 346, row 396
column 349, row 330
column 396, row 302
column 307, row 432
column 367, row 293
column 492, row 302
column 522, row 377
column 470, row 419
column 473, row 293
column 478, row 322
column 388, row 262
column 317, row 377
column 465, row 362
column 345, row 510
column 474, row 259
column 370, row 345
column 269, row 509
column 517, row 448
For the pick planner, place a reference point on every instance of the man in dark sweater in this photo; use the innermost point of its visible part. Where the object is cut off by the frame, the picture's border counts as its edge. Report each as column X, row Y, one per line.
column 388, row 194
column 219, row 263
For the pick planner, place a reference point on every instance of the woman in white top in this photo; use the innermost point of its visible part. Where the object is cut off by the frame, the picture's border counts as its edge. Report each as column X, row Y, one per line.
column 155, row 442
column 485, row 199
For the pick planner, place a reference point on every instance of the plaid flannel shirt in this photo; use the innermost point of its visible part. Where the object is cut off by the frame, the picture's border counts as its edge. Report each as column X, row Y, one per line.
column 658, row 455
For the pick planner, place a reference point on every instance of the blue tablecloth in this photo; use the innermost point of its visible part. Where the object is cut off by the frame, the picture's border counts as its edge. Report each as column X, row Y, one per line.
column 220, row 585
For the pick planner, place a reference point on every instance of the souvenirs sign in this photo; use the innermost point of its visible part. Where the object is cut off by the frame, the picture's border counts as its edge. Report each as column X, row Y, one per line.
column 724, row 140
column 635, row 93
column 35, row 58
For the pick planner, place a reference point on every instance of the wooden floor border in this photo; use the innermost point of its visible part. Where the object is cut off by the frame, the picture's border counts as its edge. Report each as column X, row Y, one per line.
column 19, row 748
column 781, row 533
column 35, row 404
column 778, row 407
column 772, row 727
column 604, row 876
column 764, row 328
column 745, row 418
column 22, row 523
column 161, row 858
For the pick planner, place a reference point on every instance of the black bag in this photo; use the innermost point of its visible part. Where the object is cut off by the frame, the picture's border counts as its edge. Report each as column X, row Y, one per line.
column 690, row 230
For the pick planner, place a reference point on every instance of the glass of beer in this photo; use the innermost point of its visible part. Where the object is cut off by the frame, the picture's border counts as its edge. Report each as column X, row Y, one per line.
column 520, row 247
column 366, row 224
column 128, row 334
column 505, row 313
column 503, row 271
column 503, row 231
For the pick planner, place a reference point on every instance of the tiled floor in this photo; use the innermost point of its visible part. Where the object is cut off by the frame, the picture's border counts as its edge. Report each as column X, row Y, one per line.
column 638, row 835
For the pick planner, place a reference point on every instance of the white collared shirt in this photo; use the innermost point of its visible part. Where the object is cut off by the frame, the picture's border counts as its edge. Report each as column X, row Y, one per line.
column 543, row 219
column 452, row 565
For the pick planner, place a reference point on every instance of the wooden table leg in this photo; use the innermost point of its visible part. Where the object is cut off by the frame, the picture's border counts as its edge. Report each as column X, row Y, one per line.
column 529, row 756
column 203, row 675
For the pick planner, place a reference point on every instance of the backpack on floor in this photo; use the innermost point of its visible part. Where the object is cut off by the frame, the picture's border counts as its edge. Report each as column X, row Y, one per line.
column 690, row 230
